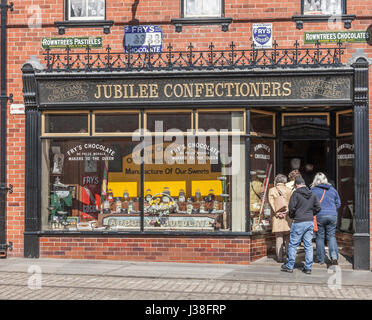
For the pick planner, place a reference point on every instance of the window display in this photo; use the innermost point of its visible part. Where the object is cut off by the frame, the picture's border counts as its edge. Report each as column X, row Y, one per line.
column 190, row 183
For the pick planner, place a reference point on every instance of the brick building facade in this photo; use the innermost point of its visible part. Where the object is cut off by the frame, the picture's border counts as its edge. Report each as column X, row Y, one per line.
column 31, row 21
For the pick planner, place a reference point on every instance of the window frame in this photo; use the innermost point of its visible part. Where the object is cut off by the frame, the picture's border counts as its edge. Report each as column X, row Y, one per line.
column 260, row 134
column 224, row 110
column 115, row 134
column 199, row 16
column 338, row 134
column 343, row 9
column 307, row 114
column 69, row 18
column 167, row 111
column 65, row 134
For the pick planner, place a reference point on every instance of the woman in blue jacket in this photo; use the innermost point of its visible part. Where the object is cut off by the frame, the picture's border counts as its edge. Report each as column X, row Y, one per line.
column 326, row 218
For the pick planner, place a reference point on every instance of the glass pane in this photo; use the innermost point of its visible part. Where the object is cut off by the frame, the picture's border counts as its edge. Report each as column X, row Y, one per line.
column 345, row 123
column 290, row 120
column 221, row 121
column 262, row 123
column 262, row 175
column 322, row 7
column 188, row 187
column 63, row 123
column 78, row 8
column 96, row 8
column 168, row 121
column 345, row 183
column 202, row 7
column 90, row 185
column 116, row 122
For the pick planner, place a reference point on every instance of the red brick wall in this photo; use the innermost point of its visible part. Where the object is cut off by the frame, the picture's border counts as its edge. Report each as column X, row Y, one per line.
column 159, row 249
column 24, row 41
column 262, row 245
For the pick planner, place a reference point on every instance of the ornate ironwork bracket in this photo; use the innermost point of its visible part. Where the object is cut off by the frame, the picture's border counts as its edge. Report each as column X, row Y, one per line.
column 8, row 6
column 10, row 98
column 4, row 188
column 4, row 249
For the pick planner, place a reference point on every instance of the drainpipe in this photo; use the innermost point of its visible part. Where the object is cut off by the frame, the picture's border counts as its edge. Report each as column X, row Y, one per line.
column 4, row 189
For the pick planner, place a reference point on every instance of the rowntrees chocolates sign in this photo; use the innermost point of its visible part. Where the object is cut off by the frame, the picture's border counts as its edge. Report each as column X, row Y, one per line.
column 62, row 92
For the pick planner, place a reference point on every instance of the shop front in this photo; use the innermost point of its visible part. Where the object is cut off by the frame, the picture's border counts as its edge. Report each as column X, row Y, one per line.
column 173, row 162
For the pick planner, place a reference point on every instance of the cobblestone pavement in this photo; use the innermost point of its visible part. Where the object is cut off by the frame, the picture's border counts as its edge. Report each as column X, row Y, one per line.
column 24, row 286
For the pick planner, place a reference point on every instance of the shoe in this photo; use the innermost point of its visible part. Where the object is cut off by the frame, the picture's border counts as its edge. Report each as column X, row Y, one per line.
column 320, row 262
column 334, row 262
column 307, row 271
column 286, row 269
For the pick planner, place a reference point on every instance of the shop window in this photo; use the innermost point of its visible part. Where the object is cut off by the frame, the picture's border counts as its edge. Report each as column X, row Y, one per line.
column 90, row 185
column 262, row 123
column 116, row 123
column 72, row 123
column 202, row 8
column 344, row 123
column 323, row 7
column 345, row 183
column 293, row 119
column 172, row 120
column 195, row 184
column 85, row 9
column 261, row 180
column 221, row 120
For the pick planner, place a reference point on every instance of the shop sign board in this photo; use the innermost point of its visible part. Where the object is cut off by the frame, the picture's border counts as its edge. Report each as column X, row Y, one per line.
column 336, row 36
column 72, row 43
column 262, row 34
column 141, row 38
column 164, row 90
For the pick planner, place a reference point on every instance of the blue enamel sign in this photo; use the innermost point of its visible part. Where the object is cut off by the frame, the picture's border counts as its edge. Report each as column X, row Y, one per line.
column 142, row 39
column 262, row 35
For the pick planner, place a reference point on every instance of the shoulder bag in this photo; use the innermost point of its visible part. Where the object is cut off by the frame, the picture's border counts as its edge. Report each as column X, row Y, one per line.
column 280, row 202
column 315, row 222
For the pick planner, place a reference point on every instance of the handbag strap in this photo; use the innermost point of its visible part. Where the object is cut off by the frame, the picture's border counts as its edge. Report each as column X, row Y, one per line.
column 279, row 191
column 320, row 201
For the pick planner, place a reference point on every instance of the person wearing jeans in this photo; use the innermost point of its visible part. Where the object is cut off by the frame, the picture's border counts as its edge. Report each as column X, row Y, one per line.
column 326, row 218
column 301, row 231
column 326, row 228
column 302, row 206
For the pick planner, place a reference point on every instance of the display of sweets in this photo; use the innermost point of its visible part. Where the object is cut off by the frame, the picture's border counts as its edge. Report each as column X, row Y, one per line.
column 189, row 206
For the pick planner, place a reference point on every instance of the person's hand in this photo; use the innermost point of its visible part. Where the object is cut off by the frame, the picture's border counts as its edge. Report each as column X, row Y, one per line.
column 281, row 215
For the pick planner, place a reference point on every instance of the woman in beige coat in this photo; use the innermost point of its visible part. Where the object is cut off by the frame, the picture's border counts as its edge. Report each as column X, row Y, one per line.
column 281, row 223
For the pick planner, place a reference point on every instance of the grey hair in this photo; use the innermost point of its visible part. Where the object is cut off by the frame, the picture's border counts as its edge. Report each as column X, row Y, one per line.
column 320, row 178
column 280, row 178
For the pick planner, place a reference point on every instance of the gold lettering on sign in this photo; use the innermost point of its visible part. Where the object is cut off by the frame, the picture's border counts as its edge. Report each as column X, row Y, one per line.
column 287, row 87
column 98, row 93
column 143, row 89
column 266, row 89
column 256, row 88
column 118, row 93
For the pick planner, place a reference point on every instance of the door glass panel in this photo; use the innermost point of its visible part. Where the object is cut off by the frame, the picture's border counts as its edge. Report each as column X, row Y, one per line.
column 297, row 119
column 345, row 183
column 345, row 123
column 262, row 157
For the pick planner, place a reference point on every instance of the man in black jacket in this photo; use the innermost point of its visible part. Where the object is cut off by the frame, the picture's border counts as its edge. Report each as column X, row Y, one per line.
column 303, row 206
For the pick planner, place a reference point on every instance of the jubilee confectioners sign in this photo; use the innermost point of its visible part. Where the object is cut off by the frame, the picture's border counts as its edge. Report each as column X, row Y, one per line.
column 61, row 92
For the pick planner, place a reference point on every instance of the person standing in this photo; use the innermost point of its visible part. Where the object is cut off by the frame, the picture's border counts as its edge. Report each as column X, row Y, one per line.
column 280, row 220
column 326, row 218
column 303, row 205
column 292, row 177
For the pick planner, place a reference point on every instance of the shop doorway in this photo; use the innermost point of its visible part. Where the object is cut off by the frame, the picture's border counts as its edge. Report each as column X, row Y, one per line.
column 313, row 156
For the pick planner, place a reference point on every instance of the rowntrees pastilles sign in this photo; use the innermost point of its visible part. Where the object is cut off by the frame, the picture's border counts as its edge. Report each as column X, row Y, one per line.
column 79, row 42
